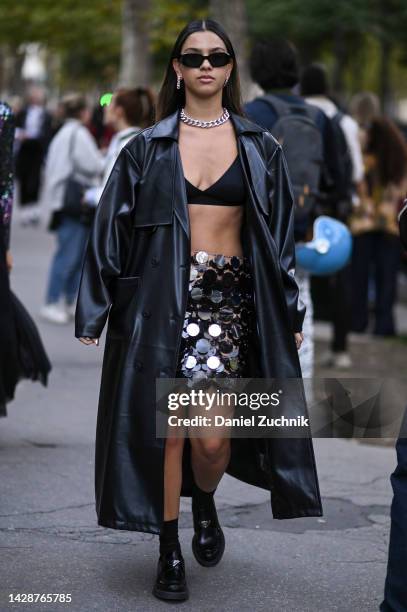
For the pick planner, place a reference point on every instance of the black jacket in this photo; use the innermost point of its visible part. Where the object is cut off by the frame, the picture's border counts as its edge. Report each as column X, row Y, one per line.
column 141, row 285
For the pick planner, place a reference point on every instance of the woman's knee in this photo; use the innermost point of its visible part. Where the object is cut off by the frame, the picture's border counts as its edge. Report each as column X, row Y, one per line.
column 212, row 449
column 174, row 445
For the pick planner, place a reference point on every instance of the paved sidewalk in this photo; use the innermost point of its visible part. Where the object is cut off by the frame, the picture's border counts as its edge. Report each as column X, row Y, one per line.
column 49, row 540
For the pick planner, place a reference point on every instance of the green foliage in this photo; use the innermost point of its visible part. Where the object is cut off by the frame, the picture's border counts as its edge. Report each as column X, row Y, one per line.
column 169, row 17
column 86, row 35
column 319, row 26
column 61, row 24
column 311, row 20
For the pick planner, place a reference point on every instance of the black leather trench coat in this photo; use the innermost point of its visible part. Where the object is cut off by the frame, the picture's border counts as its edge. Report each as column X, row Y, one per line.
column 141, row 287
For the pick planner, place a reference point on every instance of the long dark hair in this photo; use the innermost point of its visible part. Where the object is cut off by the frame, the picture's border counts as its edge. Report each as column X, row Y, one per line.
column 387, row 144
column 170, row 98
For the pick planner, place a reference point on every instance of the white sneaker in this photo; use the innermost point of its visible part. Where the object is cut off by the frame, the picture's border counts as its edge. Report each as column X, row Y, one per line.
column 342, row 360
column 326, row 360
column 54, row 314
column 70, row 310
column 24, row 217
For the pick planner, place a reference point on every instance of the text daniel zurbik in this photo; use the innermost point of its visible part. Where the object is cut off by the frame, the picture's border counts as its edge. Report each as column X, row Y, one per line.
column 207, row 401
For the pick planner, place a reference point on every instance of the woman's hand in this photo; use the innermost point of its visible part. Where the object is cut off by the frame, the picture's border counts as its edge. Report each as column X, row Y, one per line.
column 299, row 337
column 9, row 260
column 87, row 340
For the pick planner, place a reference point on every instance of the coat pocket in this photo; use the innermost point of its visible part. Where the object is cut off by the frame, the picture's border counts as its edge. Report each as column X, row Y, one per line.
column 123, row 310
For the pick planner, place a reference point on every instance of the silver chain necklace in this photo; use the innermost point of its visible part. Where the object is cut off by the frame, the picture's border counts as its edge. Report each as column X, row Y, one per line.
column 205, row 124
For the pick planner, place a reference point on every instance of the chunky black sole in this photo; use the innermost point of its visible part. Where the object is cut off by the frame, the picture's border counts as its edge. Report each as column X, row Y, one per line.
column 202, row 560
column 167, row 595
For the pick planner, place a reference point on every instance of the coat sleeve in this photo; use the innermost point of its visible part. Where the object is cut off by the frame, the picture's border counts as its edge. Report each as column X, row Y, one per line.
column 282, row 229
column 107, row 246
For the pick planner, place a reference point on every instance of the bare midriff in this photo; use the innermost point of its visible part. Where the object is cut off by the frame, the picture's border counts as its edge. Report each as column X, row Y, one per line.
column 216, row 229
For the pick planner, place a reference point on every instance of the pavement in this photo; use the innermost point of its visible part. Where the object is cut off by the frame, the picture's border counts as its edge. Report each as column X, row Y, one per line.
column 49, row 538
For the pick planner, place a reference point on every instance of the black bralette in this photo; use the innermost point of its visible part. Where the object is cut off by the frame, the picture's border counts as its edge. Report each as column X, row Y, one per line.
column 228, row 190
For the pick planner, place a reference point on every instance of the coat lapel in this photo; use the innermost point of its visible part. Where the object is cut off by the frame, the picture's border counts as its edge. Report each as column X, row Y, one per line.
column 251, row 157
column 168, row 128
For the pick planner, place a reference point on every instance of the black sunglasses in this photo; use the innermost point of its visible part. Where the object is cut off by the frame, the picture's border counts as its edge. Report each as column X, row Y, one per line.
column 195, row 60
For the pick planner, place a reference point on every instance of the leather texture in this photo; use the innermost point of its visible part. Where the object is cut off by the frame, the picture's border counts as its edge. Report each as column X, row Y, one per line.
column 142, row 292
column 208, row 542
column 171, row 581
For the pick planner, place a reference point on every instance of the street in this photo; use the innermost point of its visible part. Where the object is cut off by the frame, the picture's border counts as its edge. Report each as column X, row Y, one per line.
column 49, row 539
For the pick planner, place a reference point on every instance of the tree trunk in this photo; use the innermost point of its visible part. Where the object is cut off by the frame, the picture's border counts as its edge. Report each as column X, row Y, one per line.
column 135, row 65
column 231, row 14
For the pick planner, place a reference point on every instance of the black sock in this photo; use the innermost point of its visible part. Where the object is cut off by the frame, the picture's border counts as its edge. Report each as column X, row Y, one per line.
column 202, row 498
column 169, row 536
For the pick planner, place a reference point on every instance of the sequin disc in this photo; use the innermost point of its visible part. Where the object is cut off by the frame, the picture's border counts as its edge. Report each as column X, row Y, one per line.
column 216, row 296
column 193, row 329
column 190, row 362
column 204, row 314
column 201, row 256
column 213, row 362
column 202, row 346
column 215, row 330
column 220, row 261
column 196, row 293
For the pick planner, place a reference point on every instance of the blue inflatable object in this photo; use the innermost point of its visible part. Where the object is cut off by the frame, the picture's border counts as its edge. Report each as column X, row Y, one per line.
column 328, row 251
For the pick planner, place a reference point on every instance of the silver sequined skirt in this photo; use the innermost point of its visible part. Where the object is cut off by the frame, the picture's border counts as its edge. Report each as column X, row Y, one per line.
column 219, row 318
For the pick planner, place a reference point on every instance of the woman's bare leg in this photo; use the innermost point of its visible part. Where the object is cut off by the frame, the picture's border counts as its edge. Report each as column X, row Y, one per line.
column 209, row 459
column 210, row 448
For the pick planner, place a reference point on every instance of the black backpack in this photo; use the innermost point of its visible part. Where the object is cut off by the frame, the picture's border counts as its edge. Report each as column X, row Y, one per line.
column 301, row 139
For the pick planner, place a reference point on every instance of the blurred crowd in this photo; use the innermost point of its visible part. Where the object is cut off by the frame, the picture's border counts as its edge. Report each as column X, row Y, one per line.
column 64, row 151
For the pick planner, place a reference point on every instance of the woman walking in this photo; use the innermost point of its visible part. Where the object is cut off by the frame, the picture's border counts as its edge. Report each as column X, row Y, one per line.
column 374, row 225
column 128, row 112
column 72, row 154
column 9, row 373
column 193, row 250
column 22, row 354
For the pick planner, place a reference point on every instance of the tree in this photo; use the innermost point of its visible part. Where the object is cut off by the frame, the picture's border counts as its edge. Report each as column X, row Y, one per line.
column 85, row 36
column 231, row 14
column 136, row 60
column 341, row 32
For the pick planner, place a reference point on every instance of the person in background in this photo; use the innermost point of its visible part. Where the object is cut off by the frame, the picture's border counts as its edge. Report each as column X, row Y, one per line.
column 129, row 111
column 314, row 84
column 395, row 589
column 72, row 153
column 33, row 134
column 101, row 131
column 274, row 65
column 374, row 226
column 315, row 88
column 8, row 339
column 364, row 107
column 57, row 112
column 22, row 353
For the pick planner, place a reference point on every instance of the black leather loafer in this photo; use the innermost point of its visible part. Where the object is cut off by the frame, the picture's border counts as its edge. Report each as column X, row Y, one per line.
column 208, row 542
column 170, row 582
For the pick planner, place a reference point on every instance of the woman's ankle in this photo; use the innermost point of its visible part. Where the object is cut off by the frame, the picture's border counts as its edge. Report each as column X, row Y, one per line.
column 169, row 536
column 202, row 498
